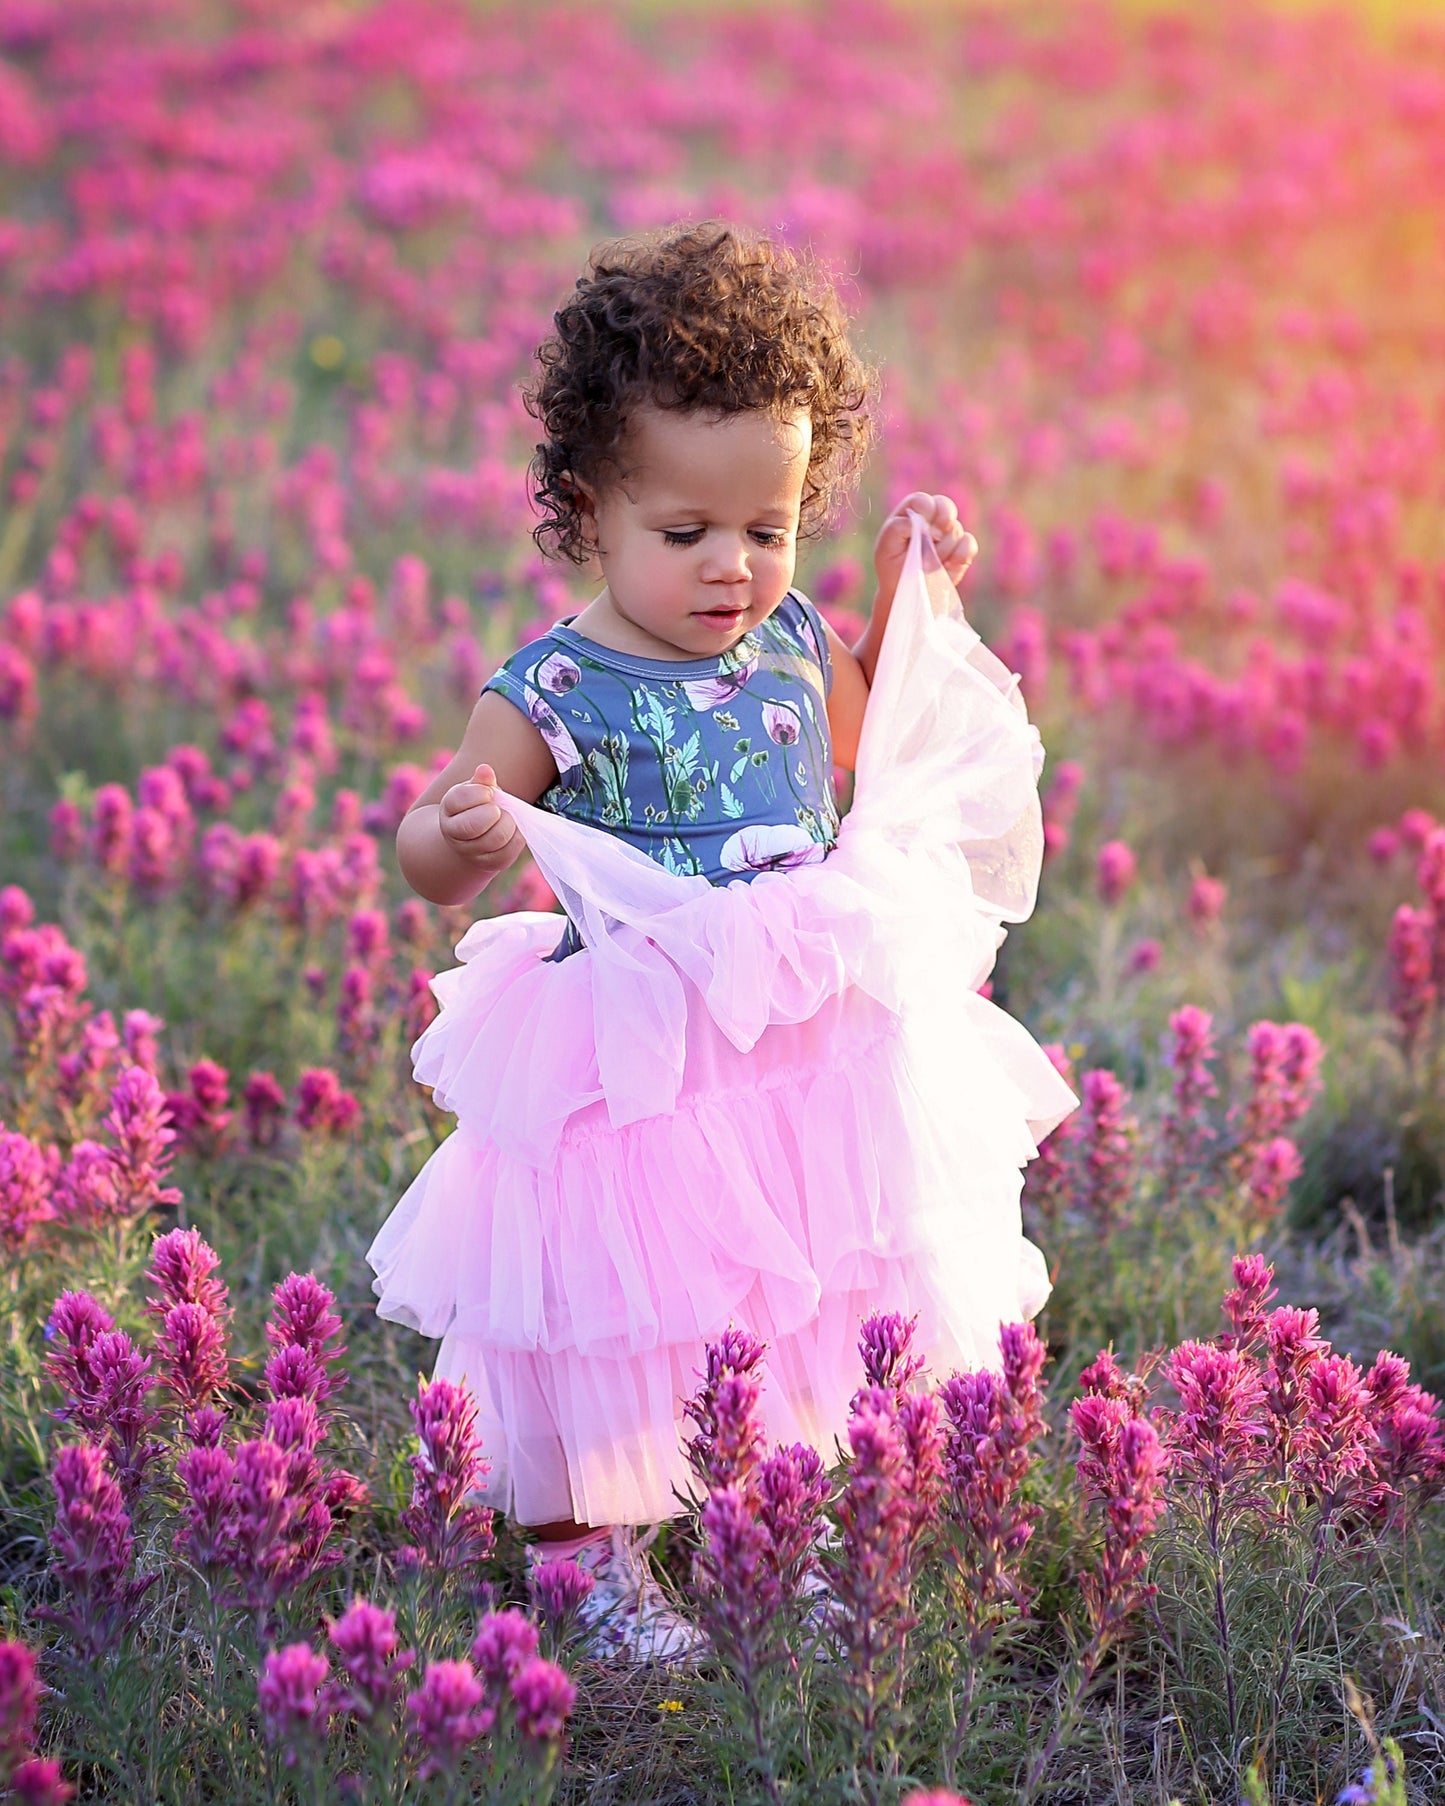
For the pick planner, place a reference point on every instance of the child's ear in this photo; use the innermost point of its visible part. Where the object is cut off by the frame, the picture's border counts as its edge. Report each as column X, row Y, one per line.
column 585, row 500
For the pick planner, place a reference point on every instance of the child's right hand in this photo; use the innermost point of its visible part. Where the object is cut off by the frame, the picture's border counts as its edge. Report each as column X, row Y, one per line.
column 473, row 824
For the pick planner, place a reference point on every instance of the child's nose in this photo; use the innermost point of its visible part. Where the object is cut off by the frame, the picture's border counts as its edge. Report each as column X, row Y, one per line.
column 727, row 562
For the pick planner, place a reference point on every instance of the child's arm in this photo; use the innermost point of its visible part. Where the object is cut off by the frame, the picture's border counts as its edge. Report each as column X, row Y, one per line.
column 853, row 667
column 454, row 839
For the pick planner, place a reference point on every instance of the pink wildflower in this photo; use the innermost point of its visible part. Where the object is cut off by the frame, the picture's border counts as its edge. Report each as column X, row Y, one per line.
column 1121, row 1468
column 356, row 1020
column 1275, row 1167
column 1107, row 1178
column 91, row 1549
column 37, row 1782
column 1412, row 984
column 543, row 1698
column 993, row 1419
column 420, row 1009
column 504, row 1643
column 792, row 1489
column 110, row 827
column 1338, row 1456
column 1411, row 1436
column 192, row 1347
column 886, row 1345
column 265, row 1103
column 83, row 1074
column 869, row 1575
column 322, row 1105
column 451, row 1532
column 1207, row 897
column 1216, row 1435
column 208, row 1474
column 727, row 1444
column 137, row 1124
column 25, row 1186
column 1253, row 1290
column 1191, row 1049
column 364, row 1638
column 19, row 1702
column 447, row 1715
column 139, row 1031
column 559, row 1590
column 183, row 1269
column 67, row 831
column 736, row 1585
column 1115, row 871
column 292, row 1699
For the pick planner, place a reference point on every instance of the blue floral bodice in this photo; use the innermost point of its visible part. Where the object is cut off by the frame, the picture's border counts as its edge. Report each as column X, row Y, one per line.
column 720, row 767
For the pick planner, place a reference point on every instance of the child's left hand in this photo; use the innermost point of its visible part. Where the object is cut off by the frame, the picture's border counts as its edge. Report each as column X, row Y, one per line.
column 955, row 546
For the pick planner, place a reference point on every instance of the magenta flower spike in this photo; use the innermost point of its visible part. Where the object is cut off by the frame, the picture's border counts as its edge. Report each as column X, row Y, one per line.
column 37, row 1782
column 886, row 1345
column 1115, row 871
column 365, row 1641
column 1411, row 1430
column 504, row 1643
column 20, row 1692
column 1217, row 1437
column 141, row 1157
column 207, row 1535
column 559, row 1590
column 91, row 1551
column 291, row 1693
column 1049, row 1179
column 447, row 1715
column 192, row 1348
column 25, row 1186
column 792, row 1490
column 1122, row 1466
column 303, row 1331
column 1254, row 1288
column 1414, row 993
column 453, row 1533
column 736, row 1582
column 1339, row 1449
column 184, row 1269
column 322, row 1105
column 1191, row 1049
column 543, row 1698
column 871, row 1572
column 727, row 1444
column 1107, row 1166
column 265, row 1102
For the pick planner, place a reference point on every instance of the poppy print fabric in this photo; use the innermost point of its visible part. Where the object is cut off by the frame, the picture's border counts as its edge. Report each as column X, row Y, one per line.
column 718, row 767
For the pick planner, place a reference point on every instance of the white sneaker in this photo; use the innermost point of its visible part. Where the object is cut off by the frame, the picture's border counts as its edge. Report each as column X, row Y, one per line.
column 626, row 1616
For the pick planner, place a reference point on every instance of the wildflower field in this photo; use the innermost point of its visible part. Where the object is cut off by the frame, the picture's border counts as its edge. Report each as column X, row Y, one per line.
column 1156, row 294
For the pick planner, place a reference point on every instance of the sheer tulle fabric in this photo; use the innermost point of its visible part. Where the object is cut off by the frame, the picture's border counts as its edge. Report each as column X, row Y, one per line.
column 779, row 1103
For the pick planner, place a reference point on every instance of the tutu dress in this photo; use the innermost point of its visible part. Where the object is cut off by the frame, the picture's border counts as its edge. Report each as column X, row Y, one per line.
column 778, row 1102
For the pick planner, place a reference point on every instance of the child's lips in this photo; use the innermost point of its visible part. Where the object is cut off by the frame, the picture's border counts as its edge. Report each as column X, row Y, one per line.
column 721, row 617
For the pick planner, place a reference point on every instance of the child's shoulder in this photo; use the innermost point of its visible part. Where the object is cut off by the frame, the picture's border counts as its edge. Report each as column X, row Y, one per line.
column 795, row 626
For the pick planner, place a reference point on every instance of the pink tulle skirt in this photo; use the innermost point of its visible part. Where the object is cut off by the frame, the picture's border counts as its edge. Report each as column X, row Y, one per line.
column 781, row 1104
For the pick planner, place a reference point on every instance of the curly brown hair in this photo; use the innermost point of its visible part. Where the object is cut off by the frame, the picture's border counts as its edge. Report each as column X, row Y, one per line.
column 702, row 318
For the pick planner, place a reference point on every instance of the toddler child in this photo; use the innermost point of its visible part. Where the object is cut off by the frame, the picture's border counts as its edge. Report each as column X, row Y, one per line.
column 750, row 1078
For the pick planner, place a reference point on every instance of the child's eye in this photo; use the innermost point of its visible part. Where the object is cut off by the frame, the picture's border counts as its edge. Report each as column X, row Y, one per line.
column 690, row 538
column 766, row 538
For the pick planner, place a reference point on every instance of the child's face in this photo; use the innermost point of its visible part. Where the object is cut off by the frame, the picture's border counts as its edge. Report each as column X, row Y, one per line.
column 698, row 535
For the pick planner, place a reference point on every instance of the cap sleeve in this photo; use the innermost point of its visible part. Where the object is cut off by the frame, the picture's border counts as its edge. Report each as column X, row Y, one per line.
column 508, row 683
column 815, row 633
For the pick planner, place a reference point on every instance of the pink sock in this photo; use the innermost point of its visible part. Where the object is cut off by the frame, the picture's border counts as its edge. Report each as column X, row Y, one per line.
column 564, row 1551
